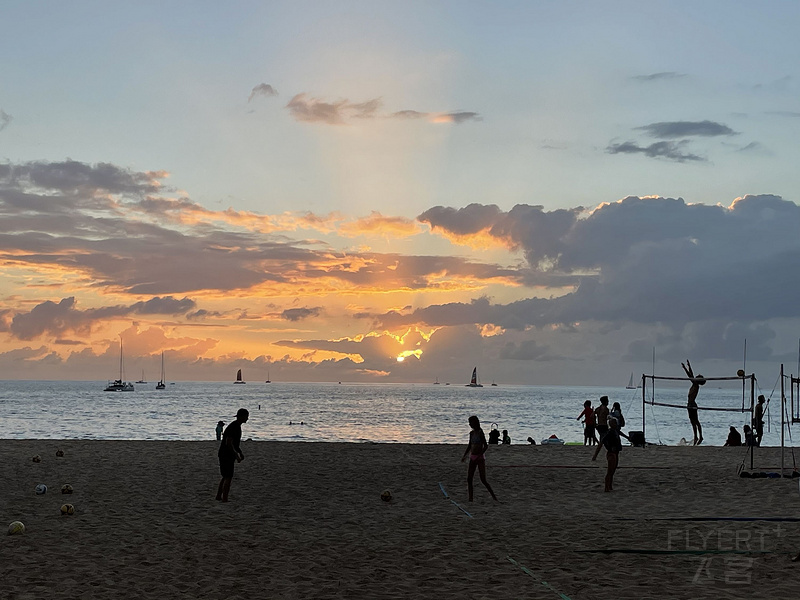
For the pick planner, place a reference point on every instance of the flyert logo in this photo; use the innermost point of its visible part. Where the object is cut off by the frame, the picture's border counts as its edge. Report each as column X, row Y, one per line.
column 725, row 555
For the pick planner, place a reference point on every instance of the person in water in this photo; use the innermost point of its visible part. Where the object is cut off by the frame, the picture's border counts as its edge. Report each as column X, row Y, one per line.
column 613, row 445
column 589, row 438
column 230, row 453
column 691, row 403
column 475, row 450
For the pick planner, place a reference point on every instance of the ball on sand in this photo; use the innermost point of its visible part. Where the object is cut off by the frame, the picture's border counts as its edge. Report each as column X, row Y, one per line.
column 16, row 528
column 37, row 458
column 59, row 453
column 386, row 495
column 66, row 489
column 41, row 489
column 740, row 373
column 67, row 509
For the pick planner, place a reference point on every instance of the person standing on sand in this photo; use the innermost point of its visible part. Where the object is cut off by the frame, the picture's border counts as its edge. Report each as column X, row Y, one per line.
column 691, row 404
column 220, row 426
column 601, row 415
column 475, row 450
column 758, row 420
column 230, row 453
column 613, row 445
column 588, row 424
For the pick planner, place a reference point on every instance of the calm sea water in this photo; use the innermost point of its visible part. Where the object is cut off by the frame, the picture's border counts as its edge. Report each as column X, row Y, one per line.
column 420, row 413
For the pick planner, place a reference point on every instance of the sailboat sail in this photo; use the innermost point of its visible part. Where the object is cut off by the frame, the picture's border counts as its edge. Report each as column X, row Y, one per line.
column 474, row 381
column 631, row 385
column 161, row 385
column 239, row 377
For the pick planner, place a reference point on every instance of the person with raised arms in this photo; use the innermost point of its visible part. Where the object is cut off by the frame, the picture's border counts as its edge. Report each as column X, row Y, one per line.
column 691, row 403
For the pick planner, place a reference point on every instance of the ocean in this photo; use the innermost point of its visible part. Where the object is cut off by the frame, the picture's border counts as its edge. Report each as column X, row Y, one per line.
column 378, row 413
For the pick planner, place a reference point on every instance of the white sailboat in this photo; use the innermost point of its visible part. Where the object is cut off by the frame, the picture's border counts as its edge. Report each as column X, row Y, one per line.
column 631, row 385
column 239, row 377
column 474, row 381
column 161, row 385
column 119, row 385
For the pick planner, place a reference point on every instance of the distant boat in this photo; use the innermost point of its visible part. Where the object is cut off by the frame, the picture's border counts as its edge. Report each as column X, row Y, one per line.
column 239, row 377
column 268, row 379
column 631, row 385
column 160, row 385
column 119, row 385
column 436, row 382
column 494, row 384
column 142, row 380
column 474, row 381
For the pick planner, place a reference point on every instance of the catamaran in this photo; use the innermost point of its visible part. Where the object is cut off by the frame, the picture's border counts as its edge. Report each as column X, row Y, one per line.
column 119, row 385
column 474, row 381
column 160, row 385
column 239, row 377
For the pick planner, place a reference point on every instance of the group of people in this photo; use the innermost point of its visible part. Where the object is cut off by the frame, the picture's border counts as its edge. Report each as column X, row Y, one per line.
column 596, row 421
column 752, row 435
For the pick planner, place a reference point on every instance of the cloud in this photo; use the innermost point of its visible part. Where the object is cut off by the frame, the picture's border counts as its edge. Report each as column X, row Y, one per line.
column 642, row 261
column 668, row 150
column 56, row 319
column 682, row 129
column 298, row 314
column 262, row 89
column 308, row 109
column 664, row 75
column 314, row 110
column 5, row 119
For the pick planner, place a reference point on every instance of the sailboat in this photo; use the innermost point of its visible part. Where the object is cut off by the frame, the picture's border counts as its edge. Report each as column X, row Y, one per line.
column 268, row 379
column 474, row 381
column 160, row 385
column 239, row 377
column 142, row 380
column 119, row 385
column 631, row 385
column 436, row 382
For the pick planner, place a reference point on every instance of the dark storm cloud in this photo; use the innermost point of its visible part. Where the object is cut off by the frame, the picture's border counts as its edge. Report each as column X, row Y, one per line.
column 683, row 129
column 298, row 314
column 659, row 76
column 668, row 150
column 262, row 89
column 645, row 261
column 58, row 318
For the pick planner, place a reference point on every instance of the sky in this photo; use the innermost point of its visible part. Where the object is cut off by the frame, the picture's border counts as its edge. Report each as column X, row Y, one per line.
column 559, row 193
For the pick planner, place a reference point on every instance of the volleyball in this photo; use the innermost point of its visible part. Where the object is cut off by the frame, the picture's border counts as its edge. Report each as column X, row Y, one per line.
column 66, row 489
column 41, row 489
column 386, row 495
column 740, row 373
column 16, row 528
column 59, row 453
column 67, row 509
column 37, row 458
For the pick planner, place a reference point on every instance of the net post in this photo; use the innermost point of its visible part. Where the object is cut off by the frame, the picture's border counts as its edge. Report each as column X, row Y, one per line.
column 752, row 412
column 644, row 395
column 783, row 408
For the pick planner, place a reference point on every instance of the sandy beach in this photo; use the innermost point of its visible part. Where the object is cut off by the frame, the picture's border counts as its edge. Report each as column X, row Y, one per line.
column 306, row 520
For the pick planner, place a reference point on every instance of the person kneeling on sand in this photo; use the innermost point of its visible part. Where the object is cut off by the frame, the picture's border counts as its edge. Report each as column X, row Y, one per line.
column 734, row 438
column 613, row 444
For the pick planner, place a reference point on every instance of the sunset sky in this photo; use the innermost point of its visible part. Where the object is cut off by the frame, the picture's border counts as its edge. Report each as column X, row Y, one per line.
column 399, row 191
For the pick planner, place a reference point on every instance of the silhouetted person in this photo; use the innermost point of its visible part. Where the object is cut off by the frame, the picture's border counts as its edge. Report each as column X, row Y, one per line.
column 691, row 403
column 616, row 413
column 734, row 438
column 475, row 450
column 749, row 436
column 230, row 453
column 601, row 416
column 758, row 420
column 220, row 426
column 494, row 436
column 589, row 438
column 506, row 437
column 613, row 445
